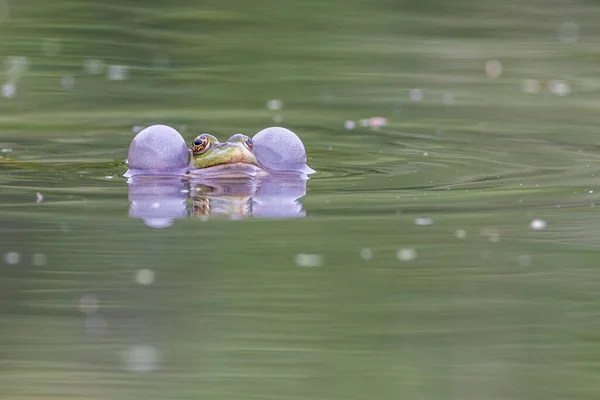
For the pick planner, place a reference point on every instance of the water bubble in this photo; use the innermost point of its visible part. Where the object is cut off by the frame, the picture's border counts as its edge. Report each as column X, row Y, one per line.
column 38, row 259
column 524, row 260
column 590, row 191
column 51, row 47
column 88, row 304
column 9, row 90
column 376, row 122
column 274, row 104
column 493, row 68
column 93, row 66
column 162, row 61
column 349, row 124
column 560, row 88
column 423, row 221
column 406, row 254
column 277, row 118
column 117, row 72
column 144, row 276
column 141, row 358
column 460, row 233
column 426, row 154
column 538, row 224
column 12, row 257
column 448, row 99
column 109, row 177
column 67, row 82
column 568, row 32
column 366, row 253
column 364, row 122
column 415, row 95
column 39, row 197
column 309, row 260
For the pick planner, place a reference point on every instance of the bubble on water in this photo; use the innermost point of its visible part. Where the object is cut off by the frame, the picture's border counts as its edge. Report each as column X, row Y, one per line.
column 448, row 99
column 144, row 276
column 39, row 197
column 93, row 66
column 531, row 86
column 524, row 260
column 137, row 129
column 51, row 47
column 406, row 254
column 568, row 32
column 277, row 118
column 274, row 104
column 67, row 82
column 141, row 359
column 117, row 72
column 95, row 325
column 415, row 95
column 309, row 260
column 426, row 154
column 376, row 122
column 538, row 224
column 560, row 88
column 161, row 61
column 38, row 259
column 109, row 177
column 350, row 125
column 493, row 68
column 590, row 191
column 12, row 257
column 88, row 304
column 9, row 90
column 423, row 221
column 460, row 233
column 364, row 122
column 366, row 253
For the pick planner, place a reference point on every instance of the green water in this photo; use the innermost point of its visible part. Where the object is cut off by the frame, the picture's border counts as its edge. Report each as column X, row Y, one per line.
column 358, row 299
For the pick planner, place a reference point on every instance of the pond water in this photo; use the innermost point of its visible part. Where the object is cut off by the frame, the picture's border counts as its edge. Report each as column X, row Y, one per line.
column 446, row 248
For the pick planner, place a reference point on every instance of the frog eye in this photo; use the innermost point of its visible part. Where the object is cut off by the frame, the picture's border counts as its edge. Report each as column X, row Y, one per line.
column 248, row 142
column 201, row 144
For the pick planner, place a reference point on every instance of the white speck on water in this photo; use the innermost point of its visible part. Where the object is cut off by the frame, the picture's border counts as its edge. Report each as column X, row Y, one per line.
column 538, row 224
column 590, row 191
column 274, row 104
column 109, row 177
column 38, row 259
column 448, row 99
column 309, row 260
column 95, row 325
column 426, row 154
column 39, row 197
column 415, row 95
column 161, row 61
column 460, row 233
column 524, row 260
column 67, row 82
column 277, row 118
column 51, row 47
column 376, row 122
column 12, row 257
column 93, row 66
column 88, row 304
column 9, row 90
column 350, row 125
column 137, row 129
column 406, row 254
column 330, row 148
column 7, row 150
column 423, row 221
column 560, row 88
column 155, row 205
column 117, row 72
column 141, row 358
column 568, row 32
column 531, row 86
column 493, row 69
column 366, row 253
column 144, row 276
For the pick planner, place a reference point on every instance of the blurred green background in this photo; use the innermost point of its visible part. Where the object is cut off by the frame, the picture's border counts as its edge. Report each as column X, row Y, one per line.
column 449, row 254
